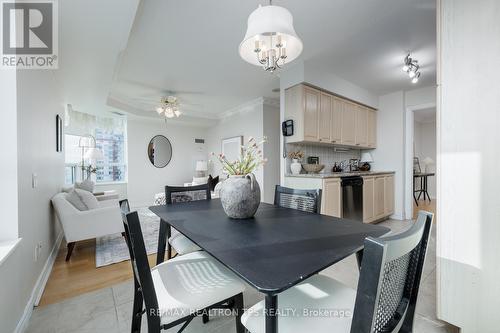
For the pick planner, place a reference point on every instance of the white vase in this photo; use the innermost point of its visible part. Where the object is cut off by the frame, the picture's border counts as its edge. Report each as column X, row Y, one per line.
column 295, row 167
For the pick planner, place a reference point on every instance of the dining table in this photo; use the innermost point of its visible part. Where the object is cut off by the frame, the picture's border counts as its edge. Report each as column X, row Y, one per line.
column 273, row 251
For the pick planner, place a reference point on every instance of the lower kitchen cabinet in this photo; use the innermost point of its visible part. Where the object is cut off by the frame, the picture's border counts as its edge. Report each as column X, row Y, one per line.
column 331, row 201
column 378, row 197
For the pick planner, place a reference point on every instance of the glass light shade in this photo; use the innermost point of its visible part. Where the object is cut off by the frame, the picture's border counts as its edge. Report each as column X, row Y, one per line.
column 265, row 22
column 201, row 166
column 405, row 68
column 93, row 154
column 366, row 157
column 411, row 74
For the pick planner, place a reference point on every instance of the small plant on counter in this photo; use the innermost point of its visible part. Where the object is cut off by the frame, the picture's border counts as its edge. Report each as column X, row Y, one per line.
column 296, row 155
column 251, row 158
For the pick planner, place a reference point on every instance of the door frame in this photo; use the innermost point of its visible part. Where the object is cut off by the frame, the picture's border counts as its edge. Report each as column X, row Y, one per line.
column 408, row 165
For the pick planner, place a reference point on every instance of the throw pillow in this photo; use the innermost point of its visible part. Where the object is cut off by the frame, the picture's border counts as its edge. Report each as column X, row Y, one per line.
column 86, row 185
column 212, row 182
column 82, row 200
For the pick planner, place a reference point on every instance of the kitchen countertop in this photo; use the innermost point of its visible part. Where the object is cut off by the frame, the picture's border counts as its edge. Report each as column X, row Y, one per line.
column 340, row 174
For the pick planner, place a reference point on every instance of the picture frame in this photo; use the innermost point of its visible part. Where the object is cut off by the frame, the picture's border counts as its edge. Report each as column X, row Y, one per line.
column 59, row 134
column 231, row 147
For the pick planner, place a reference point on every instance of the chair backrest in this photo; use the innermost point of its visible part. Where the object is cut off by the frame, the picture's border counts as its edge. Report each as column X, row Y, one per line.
column 390, row 275
column 176, row 194
column 304, row 200
column 139, row 257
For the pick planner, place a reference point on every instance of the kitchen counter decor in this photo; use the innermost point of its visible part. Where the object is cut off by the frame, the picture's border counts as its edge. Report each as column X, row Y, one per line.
column 240, row 193
column 295, row 166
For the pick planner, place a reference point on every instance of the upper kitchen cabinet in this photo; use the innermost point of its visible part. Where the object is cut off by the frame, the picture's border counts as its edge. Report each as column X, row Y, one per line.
column 336, row 120
column 325, row 114
column 372, row 128
column 323, row 118
column 361, row 126
column 348, row 124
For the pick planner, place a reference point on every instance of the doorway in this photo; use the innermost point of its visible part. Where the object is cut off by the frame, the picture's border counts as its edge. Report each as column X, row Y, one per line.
column 420, row 159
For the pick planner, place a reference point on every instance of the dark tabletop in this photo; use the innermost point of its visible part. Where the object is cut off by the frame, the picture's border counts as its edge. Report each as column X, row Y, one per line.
column 277, row 248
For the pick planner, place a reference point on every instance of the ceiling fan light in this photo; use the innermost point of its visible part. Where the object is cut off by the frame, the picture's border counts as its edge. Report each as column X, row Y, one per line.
column 411, row 74
column 415, row 79
column 265, row 23
column 159, row 110
column 406, row 68
column 177, row 113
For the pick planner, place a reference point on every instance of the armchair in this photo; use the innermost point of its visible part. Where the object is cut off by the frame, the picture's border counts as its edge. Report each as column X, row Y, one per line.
column 80, row 225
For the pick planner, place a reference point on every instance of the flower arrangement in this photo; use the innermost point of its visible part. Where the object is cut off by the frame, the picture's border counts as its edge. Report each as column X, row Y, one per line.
column 250, row 159
column 296, row 155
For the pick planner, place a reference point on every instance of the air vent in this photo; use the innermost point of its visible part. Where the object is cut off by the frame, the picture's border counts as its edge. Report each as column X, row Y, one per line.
column 199, row 140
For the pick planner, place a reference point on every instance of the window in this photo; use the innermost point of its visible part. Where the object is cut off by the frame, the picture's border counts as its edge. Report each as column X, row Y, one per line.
column 110, row 139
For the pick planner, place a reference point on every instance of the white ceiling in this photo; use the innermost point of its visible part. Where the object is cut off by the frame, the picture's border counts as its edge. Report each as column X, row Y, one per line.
column 425, row 115
column 189, row 48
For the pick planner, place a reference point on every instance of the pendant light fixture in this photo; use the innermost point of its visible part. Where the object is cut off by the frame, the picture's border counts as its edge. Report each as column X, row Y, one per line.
column 270, row 40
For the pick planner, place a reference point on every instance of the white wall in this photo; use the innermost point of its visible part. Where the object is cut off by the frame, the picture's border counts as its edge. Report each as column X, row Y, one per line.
column 425, row 146
column 145, row 180
column 255, row 119
column 468, row 209
column 389, row 154
column 37, row 105
column 272, row 130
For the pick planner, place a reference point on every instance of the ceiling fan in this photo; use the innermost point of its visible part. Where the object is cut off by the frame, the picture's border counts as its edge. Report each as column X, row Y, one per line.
column 169, row 107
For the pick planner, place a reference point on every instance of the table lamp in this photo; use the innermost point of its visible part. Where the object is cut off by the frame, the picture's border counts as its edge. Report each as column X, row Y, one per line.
column 366, row 159
column 201, row 168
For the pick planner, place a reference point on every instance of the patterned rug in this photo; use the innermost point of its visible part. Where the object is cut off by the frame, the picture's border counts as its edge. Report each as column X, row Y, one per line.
column 112, row 248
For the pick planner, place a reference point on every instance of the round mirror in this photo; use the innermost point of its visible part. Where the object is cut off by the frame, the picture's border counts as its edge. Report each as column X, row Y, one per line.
column 159, row 151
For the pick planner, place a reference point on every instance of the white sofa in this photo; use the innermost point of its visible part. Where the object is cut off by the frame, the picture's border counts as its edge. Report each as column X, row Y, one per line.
column 80, row 225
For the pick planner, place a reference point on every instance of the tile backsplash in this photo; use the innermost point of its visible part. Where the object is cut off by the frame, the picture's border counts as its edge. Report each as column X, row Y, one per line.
column 327, row 155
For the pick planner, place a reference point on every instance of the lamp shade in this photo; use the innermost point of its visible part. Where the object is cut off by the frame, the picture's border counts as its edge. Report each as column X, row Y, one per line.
column 201, row 166
column 93, row 154
column 268, row 22
column 428, row 161
column 366, row 157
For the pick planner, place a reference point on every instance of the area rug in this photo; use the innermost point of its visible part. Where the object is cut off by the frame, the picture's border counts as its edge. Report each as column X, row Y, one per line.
column 112, row 248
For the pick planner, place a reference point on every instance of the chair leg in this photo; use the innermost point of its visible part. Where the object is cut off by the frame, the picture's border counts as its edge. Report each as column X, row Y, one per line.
column 238, row 307
column 71, row 246
column 205, row 318
column 137, row 309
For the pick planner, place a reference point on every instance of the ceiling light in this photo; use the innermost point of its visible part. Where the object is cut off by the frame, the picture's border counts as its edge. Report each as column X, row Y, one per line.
column 270, row 39
column 169, row 107
column 412, row 68
column 415, row 79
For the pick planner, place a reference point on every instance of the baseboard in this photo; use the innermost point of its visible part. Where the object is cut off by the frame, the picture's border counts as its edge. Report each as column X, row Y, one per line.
column 397, row 216
column 37, row 292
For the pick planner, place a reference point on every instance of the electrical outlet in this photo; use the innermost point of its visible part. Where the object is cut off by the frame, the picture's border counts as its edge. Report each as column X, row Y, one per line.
column 38, row 250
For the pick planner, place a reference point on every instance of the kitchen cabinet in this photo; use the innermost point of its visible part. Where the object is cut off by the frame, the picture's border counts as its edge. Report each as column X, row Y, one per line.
column 371, row 128
column 368, row 199
column 331, row 201
column 378, row 197
column 323, row 118
column 336, row 120
column 348, row 130
column 389, row 195
column 311, row 113
column 361, row 123
column 325, row 113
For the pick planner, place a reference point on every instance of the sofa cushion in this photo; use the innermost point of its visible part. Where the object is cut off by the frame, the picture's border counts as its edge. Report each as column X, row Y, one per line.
column 82, row 200
column 86, row 185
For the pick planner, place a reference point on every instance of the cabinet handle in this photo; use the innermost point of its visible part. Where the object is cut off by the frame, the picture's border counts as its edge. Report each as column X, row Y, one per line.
column 333, row 141
column 357, row 144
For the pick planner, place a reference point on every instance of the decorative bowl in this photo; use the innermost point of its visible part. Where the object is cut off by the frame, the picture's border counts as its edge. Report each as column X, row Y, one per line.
column 313, row 168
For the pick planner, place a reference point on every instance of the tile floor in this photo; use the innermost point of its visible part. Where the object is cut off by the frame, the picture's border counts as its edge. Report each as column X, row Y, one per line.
column 109, row 310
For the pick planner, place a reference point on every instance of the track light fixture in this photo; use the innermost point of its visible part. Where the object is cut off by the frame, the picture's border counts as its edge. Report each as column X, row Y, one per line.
column 411, row 67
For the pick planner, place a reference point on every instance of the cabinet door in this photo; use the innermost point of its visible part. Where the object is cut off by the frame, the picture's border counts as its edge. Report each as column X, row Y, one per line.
column 325, row 117
column 348, row 124
column 379, row 196
column 368, row 193
column 311, row 113
column 361, row 126
column 389, row 195
column 331, row 199
column 336, row 121
column 372, row 128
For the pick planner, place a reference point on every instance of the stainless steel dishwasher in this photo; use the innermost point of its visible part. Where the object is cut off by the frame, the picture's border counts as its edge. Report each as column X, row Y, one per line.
column 352, row 198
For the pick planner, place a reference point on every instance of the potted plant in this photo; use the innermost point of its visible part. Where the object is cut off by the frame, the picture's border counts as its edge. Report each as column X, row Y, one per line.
column 295, row 166
column 240, row 193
